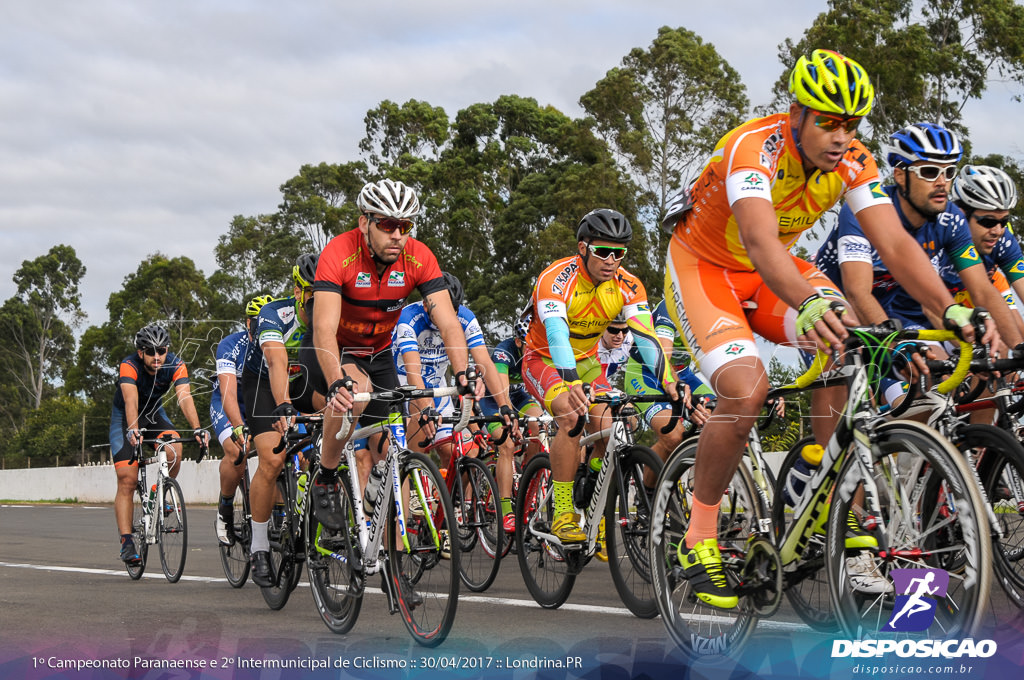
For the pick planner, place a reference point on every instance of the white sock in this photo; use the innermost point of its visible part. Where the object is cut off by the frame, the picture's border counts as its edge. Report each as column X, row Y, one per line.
column 260, row 540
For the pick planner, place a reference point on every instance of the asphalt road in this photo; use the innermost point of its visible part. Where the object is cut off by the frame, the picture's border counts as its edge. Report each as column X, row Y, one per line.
column 64, row 594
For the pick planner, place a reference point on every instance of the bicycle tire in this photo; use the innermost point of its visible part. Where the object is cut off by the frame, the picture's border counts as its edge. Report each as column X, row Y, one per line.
column 999, row 457
column 282, row 565
column 808, row 592
column 138, row 534
column 542, row 562
column 234, row 558
column 423, row 568
column 698, row 629
column 333, row 566
column 627, row 530
column 932, row 517
column 480, row 531
column 172, row 526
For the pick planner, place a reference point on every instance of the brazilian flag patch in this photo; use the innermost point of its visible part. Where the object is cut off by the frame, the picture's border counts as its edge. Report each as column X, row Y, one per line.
column 876, row 190
column 970, row 254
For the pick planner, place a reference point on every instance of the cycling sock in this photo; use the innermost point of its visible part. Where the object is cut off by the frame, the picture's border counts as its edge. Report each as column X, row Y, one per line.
column 563, row 497
column 703, row 522
column 506, row 506
column 327, row 477
column 260, row 540
column 227, row 503
column 125, row 537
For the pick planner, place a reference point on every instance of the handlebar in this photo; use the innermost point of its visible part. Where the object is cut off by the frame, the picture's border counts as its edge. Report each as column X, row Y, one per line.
column 402, row 395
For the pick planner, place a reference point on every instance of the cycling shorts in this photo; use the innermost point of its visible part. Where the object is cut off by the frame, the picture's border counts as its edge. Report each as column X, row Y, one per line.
column 544, row 383
column 219, row 421
column 155, row 424
column 380, row 368
column 723, row 308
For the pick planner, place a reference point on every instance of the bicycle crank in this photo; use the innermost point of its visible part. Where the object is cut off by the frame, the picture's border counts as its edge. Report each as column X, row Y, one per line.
column 761, row 578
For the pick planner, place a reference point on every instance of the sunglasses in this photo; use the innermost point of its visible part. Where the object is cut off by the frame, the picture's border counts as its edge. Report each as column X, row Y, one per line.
column 153, row 351
column 604, row 252
column 389, row 224
column 930, row 173
column 617, row 331
column 832, row 123
column 989, row 222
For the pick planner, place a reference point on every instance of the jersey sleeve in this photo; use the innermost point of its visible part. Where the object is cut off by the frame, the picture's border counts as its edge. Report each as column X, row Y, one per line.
column 550, row 308
column 421, row 260
column 330, row 266
column 959, row 244
column 851, row 243
column 1008, row 256
column 404, row 338
column 471, row 328
column 127, row 373
column 641, row 326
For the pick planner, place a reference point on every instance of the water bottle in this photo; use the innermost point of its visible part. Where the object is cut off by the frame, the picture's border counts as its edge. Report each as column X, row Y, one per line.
column 585, row 481
column 806, row 464
column 373, row 484
column 300, row 495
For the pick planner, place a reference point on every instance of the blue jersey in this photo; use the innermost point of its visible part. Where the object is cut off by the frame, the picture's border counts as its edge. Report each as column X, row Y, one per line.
column 415, row 332
column 946, row 240
column 230, row 358
column 640, row 378
column 278, row 321
column 508, row 359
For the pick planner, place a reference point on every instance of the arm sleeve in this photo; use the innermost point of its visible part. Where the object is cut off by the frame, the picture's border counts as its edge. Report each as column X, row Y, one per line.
column 646, row 342
column 562, row 355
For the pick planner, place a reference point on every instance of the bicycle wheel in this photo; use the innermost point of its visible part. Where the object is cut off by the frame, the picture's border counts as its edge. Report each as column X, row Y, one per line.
column 173, row 530
column 806, row 581
column 234, row 558
column 627, row 529
column 139, row 533
column 334, row 566
column 282, row 564
column 699, row 630
column 932, row 521
column 541, row 559
column 423, row 565
column 481, row 534
column 1000, row 461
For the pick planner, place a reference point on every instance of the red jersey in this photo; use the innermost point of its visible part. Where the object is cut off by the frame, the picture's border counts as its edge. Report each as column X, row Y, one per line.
column 370, row 302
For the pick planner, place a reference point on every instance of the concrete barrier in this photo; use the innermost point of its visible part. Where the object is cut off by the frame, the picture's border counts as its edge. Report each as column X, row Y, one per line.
column 97, row 483
column 200, row 483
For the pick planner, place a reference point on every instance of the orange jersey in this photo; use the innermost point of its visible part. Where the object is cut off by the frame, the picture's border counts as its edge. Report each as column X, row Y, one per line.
column 760, row 159
column 565, row 290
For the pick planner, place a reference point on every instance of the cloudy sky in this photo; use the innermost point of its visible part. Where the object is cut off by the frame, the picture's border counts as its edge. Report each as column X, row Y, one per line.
column 130, row 128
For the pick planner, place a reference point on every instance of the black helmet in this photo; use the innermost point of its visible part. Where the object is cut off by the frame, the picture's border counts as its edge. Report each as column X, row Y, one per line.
column 304, row 271
column 606, row 225
column 455, row 289
column 151, row 337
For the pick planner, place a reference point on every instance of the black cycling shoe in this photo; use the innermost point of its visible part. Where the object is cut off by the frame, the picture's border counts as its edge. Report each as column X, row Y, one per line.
column 412, row 598
column 327, row 503
column 261, row 569
column 129, row 555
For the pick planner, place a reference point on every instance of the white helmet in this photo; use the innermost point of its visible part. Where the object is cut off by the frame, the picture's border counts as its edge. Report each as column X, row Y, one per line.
column 983, row 187
column 391, row 199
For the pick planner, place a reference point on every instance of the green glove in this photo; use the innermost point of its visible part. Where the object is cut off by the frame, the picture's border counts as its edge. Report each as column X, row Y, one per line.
column 812, row 310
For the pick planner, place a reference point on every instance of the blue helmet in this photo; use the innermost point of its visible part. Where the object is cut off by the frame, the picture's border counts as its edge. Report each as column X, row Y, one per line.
column 923, row 142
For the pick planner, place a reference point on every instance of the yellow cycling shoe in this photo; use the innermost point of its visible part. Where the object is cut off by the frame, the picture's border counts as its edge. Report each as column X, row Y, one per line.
column 567, row 528
column 602, row 546
column 702, row 567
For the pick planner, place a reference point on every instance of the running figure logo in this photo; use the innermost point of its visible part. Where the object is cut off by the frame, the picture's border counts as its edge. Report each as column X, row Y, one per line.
column 914, row 610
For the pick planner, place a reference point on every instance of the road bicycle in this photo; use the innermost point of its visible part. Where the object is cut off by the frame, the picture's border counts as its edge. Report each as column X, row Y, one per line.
column 286, row 529
column 907, row 486
column 234, row 557
column 476, row 502
column 620, row 496
column 404, row 535
column 158, row 512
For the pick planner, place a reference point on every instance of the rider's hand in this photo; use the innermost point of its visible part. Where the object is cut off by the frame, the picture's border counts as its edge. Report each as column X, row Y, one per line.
column 780, row 406
column 285, row 414
column 511, row 421
column 134, row 436
column 700, row 415
column 818, row 319
column 202, row 437
column 339, row 395
column 462, row 380
column 427, row 420
column 579, row 402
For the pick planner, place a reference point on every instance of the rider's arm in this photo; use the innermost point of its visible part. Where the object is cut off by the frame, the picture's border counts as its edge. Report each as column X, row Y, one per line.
column 188, row 407
column 647, row 342
column 326, row 319
column 414, row 376
column 904, row 258
column 130, row 392
column 227, row 384
column 497, row 387
column 276, row 356
column 858, row 280
column 439, row 308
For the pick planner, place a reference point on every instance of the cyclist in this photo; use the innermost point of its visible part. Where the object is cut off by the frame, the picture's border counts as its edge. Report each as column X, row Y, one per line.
column 574, row 300
column 767, row 181
column 227, row 414
column 508, row 360
column 361, row 284
column 270, row 387
column 987, row 195
column 143, row 379
column 923, row 157
column 422, row 361
column 614, row 346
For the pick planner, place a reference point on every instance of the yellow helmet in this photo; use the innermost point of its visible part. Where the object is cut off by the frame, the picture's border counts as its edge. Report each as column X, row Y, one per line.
column 252, row 308
column 831, row 83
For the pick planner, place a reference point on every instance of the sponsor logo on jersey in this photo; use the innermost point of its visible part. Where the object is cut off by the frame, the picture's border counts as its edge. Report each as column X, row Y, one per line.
column 396, row 280
column 550, row 306
column 753, row 181
column 286, row 313
column 363, row 280
column 734, row 348
column 351, row 258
